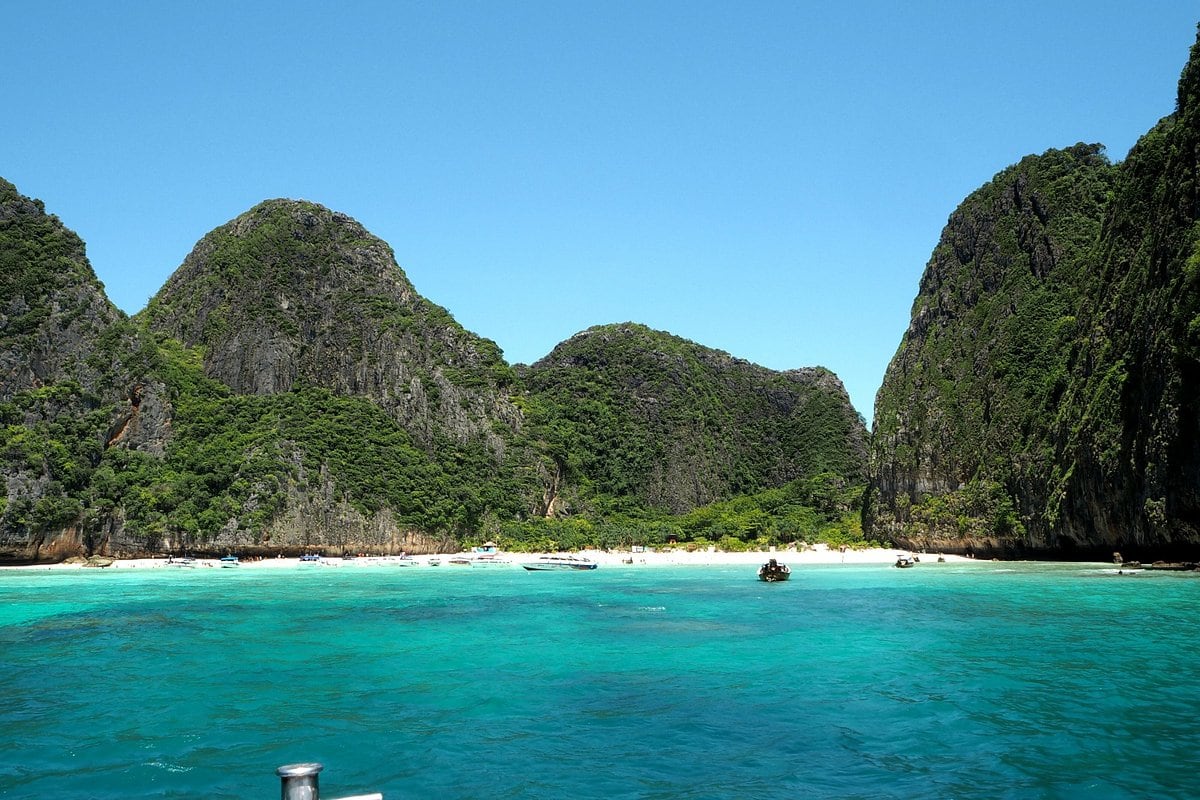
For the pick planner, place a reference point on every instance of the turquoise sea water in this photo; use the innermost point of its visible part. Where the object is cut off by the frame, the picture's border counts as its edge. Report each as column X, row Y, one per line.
column 944, row 681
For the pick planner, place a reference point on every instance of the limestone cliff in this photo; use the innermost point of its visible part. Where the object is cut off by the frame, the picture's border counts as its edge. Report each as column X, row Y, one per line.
column 963, row 447
column 292, row 294
column 1130, row 432
column 72, row 384
column 1044, row 398
column 52, row 307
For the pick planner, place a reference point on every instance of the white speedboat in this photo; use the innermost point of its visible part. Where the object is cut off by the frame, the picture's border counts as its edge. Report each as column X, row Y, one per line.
column 491, row 560
column 229, row 561
column 546, row 563
column 774, row 572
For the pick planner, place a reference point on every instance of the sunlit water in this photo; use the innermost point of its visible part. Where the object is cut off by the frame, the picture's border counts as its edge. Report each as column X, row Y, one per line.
column 944, row 681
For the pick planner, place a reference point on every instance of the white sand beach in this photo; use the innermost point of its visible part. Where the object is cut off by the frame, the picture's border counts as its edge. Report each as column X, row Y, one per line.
column 819, row 554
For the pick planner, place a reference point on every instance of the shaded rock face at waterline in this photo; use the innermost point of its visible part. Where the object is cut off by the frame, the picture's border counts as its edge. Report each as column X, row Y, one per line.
column 1044, row 398
column 289, row 390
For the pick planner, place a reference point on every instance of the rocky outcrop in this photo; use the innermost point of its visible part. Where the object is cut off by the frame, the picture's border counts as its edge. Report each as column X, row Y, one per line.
column 71, row 371
column 1044, row 400
column 316, row 519
column 962, row 447
column 292, row 294
column 52, row 308
column 143, row 420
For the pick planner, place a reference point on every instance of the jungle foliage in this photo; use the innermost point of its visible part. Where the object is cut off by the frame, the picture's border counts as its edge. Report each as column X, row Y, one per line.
column 823, row 508
column 987, row 359
column 626, row 411
column 622, row 434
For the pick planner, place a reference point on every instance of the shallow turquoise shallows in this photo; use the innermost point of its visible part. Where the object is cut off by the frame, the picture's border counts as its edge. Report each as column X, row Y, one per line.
column 944, row 681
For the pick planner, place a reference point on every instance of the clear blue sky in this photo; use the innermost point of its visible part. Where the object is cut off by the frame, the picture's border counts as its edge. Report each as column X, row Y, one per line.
column 765, row 178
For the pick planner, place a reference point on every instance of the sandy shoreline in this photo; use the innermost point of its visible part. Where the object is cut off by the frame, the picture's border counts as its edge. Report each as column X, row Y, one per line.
column 819, row 555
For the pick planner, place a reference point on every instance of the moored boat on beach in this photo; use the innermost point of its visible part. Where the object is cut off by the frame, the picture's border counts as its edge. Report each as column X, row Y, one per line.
column 904, row 561
column 229, row 561
column 774, row 572
column 491, row 560
column 553, row 563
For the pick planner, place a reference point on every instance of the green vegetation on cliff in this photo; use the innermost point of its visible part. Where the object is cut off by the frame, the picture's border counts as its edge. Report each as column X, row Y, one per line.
column 50, row 435
column 289, row 389
column 237, row 457
column 961, row 422
column 52, row 307
column 631, row 412
column 38, row 258
column 1045, row 396
column 1131, row 422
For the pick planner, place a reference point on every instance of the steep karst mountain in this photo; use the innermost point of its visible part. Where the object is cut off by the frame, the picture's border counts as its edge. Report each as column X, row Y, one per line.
column 641, row 413
column 1044, row 398
column 52, row 308
column 964, row 441
column 291, row 294
column 72, row 384
column 360, row 414
column 289, row 389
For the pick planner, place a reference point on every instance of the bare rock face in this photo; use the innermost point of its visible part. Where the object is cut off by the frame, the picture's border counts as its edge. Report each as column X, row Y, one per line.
column 143, row 420
column 292, row 294
column 315, row 519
